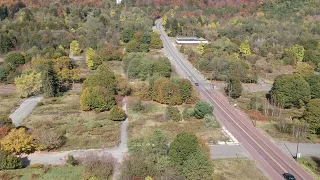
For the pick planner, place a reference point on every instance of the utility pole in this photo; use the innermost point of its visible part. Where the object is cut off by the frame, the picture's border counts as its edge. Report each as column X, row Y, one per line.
column 298, row 146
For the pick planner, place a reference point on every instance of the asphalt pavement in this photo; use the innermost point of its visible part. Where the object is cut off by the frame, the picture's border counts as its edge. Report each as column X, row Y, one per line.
column 24, row 110
column 273, row 161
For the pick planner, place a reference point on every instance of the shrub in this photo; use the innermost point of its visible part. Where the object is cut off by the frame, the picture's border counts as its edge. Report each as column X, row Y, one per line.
column 5, row 121
column 117, row 114
column 201, row 109
column 211, row 121
column 71, row 160
column 18, row 141
column 8, row 161
column 137, row 106
column 97, row 98
column 98, row 166
column 47, row 138
column 173, row 113
column 188, row 113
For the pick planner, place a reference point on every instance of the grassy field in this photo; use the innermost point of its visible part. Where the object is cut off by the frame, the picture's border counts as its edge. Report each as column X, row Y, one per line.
column 236, row 169
column 141, row 123
column 45, row 173
column 82, row 129
column 8, row 102
column 311, row 165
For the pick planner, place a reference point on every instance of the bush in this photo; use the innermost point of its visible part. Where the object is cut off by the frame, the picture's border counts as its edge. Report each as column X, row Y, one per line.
column 211, row 121
column 173, row 113
column 188, row 113
column 137, row 106
column 8, row 161
column 71, row 160
column 97, row 166
column 201, row 109
column 117, row 114
column 5, row 121
column 47, row 138
column 97, row 98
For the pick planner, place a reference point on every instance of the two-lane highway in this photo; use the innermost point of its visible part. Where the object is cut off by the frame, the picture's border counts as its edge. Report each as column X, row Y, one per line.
column 273, row 161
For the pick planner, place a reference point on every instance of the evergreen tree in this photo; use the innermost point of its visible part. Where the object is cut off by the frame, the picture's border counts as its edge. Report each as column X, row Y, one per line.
column 3, row 12
column 50, row 83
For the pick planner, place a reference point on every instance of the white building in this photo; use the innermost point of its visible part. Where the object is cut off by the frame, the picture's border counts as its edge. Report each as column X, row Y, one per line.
column 190, row 40
column 118, row 1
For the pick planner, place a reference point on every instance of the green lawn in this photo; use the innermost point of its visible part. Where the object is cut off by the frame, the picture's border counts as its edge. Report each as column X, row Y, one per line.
column 45, row 173
column 82, row 129
column 236, row 169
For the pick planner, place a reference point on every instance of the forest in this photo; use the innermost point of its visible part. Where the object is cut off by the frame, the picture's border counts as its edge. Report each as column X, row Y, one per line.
column 272, row 42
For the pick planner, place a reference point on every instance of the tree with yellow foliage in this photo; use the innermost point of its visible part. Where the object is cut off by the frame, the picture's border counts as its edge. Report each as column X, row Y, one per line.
column 75, row 48
column 18, row 141
column 304, row 69
column 28, row 84
column 245, row 49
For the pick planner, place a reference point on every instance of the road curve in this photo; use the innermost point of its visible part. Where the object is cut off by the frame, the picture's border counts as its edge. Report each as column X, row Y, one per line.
column 273, row 161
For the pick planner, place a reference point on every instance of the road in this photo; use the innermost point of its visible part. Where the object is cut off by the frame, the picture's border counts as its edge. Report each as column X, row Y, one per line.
column 24, row 110
column 273, row 161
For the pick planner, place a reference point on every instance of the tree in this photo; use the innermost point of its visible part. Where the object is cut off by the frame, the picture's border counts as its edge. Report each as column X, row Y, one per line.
column 132, row 46
column 127, row 34
column 186, row 89
column 297, row 51
column 3, row 74
column 201, row 109
column 156, row 42
column 290, row 91
column 200, row 49
column 162, row 67
column 75, row 48
column 234, row 88
column 6, row 43
column 198, row 167
column 18, row 141
column 50, row 83
column 166, row 92
column 103, row 77
column 13, row 60
column 28, row 84
column 3, row 12
column 314, row 83
column 8, row 161
column 173, row 113
column 182, row 147
column 312, row 115
column 96, row 98
column 245, row 49
column 304, row 69
column 117, row 114
column 92, row 59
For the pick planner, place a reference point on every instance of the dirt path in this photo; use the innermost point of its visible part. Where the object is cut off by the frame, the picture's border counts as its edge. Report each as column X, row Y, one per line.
column 7, row 89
